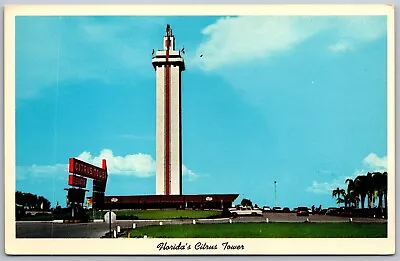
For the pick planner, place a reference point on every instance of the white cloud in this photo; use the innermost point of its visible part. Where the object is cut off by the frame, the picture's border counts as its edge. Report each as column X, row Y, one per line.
column 363, row 28
column 372, row 161
column 38, row 171
column 341, row 47
column 375, row 162
column 325, row 187
column 246, row 38
column 189, row 173
column 140, row 165
column 233, row 40
column 47, row 169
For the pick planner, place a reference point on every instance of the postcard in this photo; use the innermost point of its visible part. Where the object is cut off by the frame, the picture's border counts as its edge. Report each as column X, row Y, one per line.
column 199, row 129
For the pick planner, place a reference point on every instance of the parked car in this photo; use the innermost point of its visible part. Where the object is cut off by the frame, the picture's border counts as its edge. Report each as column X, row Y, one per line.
column 345, row 212
column 323, row 211
column 286, row 210
column 257, row 207
column 302, row 211
column 332, row 211
column 246, row 211
column 277, row 209
column 266, row 209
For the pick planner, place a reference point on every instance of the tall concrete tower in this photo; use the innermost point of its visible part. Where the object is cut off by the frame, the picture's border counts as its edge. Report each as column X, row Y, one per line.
column 168, row 64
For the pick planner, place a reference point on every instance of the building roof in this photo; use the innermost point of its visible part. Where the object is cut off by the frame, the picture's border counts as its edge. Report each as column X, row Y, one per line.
column 171, row 198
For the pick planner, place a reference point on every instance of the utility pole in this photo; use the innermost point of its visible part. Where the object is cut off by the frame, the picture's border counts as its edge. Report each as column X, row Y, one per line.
column 275, row 192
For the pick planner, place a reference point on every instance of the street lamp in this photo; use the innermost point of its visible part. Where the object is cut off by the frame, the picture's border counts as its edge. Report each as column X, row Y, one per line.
column 275, row 192
column 113, row 200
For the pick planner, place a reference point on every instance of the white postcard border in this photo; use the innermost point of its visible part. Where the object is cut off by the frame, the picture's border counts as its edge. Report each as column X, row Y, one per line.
column 149, row 246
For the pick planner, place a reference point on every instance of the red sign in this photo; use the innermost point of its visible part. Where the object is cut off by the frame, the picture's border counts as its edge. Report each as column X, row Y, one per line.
column 87, row 170
column 77, row 181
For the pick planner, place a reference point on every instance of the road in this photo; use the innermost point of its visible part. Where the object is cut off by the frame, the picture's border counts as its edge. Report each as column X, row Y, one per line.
column 26, row 229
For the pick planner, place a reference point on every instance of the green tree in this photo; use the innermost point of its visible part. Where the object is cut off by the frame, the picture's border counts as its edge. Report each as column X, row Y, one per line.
column 379, row 181
column 337, row 193
column 361, row 188
column 19, row 198
column 371, row 188
column 44, row 202
column 352, row 196
column 340, row 201
column 384, row 188
column 31, row 201
column 246, row 202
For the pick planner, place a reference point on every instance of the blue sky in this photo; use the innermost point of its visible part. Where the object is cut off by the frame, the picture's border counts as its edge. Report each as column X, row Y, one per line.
column 299, row 100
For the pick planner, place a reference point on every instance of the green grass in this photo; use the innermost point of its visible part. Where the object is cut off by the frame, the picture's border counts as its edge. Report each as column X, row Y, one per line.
column 136, row 214
column 264, row 230
column 163, row 214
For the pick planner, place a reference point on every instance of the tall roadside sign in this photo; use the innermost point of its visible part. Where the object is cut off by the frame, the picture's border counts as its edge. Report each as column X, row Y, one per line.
column 80, row 172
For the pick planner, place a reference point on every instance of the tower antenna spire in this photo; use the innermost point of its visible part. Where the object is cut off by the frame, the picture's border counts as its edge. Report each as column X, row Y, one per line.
column 168, row 30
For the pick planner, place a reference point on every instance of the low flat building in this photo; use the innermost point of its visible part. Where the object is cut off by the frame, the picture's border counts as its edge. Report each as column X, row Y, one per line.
column 203, row 201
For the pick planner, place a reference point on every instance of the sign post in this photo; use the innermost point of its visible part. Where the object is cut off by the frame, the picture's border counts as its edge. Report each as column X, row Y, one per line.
column 113, row 200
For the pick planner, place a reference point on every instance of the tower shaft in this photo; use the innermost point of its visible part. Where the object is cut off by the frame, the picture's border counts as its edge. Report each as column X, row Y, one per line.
column 168, row 65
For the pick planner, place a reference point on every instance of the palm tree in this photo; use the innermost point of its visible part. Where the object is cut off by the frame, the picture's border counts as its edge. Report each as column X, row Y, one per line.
column 346, row 199
column 361, row 188
column 371, row 188
column 384, row 188
column 355, row 199
column 378, row 179
column 350, row 184
column 340, row 201
column 352, row 195
column 337, row 193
